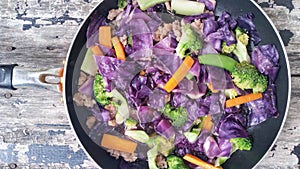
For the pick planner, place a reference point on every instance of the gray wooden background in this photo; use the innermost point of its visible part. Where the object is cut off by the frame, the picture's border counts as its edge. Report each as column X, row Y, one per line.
column 34, row 128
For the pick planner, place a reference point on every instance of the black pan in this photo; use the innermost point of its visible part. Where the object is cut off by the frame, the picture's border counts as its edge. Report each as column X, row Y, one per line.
column 264, row 135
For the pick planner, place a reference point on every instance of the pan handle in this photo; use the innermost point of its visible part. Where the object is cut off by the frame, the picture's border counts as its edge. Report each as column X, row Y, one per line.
column 14, row 77
column 6, row 73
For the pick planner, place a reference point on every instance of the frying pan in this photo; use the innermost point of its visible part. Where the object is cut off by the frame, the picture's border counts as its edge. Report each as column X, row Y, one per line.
column 264, row 135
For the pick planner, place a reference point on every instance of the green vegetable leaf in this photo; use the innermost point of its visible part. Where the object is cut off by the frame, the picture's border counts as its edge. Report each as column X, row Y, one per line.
column 138, row 135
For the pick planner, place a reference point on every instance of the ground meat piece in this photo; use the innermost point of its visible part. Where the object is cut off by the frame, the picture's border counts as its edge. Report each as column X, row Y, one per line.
column 82, row 78
column 161, row 162
column 197, row 26
column 83, row 100
column 114, row 153
column 113, row 13
column 177, row 29
column 91, row 121
column 111, row 108
column 112, row 123
column 130, row 157
column 162, row 31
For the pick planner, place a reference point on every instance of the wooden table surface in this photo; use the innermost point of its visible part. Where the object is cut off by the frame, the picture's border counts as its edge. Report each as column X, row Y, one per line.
column 34, row 128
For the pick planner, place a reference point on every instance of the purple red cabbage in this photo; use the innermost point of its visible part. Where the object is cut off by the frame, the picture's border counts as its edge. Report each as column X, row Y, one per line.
column 87, row 87
column 209, row 4
column 246, row 22
column 262, row 109
column 266, row 59
column 165, row 128
column 232, row 126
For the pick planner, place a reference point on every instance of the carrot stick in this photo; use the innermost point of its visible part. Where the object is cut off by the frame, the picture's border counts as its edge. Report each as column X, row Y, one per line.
column 119, row 48
column 207, row 123
column 96, row 51
column 105, row 36
column 242, row 99
column 197, row 161
column 116, row 143
column 179, row 74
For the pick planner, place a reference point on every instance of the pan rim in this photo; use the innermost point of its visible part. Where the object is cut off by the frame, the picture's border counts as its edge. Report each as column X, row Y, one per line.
column 289, row 80
column 277, row 35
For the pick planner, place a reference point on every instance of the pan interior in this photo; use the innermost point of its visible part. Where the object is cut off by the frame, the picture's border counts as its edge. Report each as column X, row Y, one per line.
column 263, row 134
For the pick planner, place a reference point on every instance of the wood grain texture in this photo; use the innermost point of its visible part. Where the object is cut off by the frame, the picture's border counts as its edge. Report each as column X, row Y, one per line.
column 34, row 128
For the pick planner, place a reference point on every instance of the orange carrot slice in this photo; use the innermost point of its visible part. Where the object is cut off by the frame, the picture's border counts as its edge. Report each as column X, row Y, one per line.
column 96, row 51
column 207, row 123
column 119, row 48
column 105, row 36
column 179, row 74
column 116, row 143
column 242, row 99
column 197, row 161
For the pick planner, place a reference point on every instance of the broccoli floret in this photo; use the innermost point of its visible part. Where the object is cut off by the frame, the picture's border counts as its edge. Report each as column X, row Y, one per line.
column 228, row 49
column 230, row 93
column 145, row 4
column 122, row 3
column 100, row 93
column 178, row 116
column 241, row 144
column 241, row 45
column 130, row 123
column 246, row 76
column 237, row 144
column 188, row 41
column 240, row 48
column 175, row 162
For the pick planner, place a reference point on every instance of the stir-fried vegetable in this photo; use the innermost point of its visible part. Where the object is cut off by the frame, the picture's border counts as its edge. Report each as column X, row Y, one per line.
column 180, row 73
column 189, row 7
column 189, row 41
column 244, row 74
column 178, row 116
column 197, row 161
column 175, row 162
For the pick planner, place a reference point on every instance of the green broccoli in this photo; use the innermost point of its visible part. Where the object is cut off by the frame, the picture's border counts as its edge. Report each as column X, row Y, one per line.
column 178, row 116
column 230, row 93
column 100, row 93
column 241, row 144
column 114, row 97
column 188, row 41
column 237, row 144
column 228, row 49
column 240, row 48
column 175, row 162
column 244, row 74
column 145, row 4
column 122, row 3
column 130, row 123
